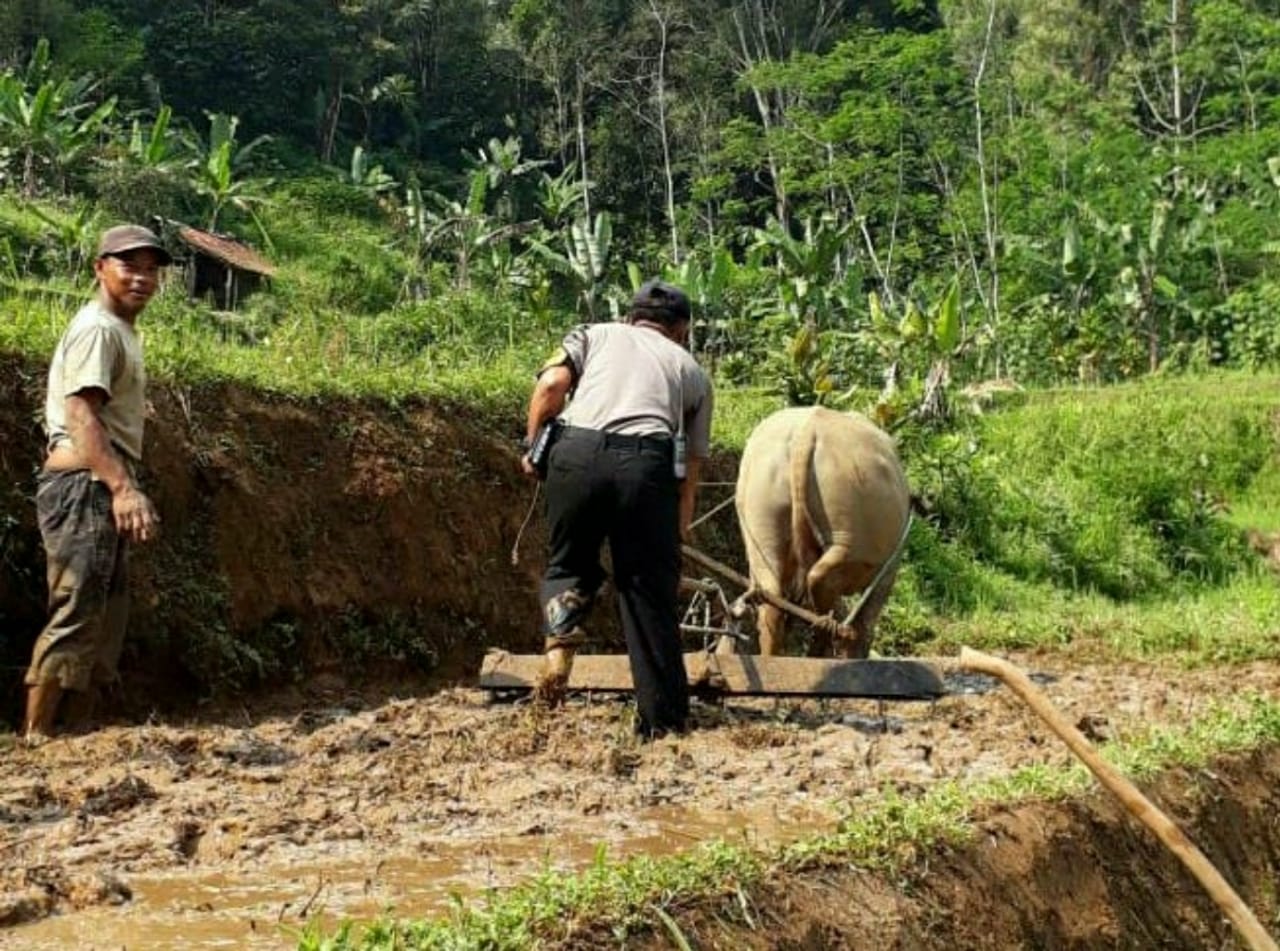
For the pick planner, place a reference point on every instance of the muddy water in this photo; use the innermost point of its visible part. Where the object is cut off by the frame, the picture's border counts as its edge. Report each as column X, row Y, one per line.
column 267, row 907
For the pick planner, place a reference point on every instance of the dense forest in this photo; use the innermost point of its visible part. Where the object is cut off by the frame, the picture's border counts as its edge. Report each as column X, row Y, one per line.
column 862, row 197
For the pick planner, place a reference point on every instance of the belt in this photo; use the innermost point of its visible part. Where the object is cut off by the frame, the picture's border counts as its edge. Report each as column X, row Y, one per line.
column 630, row 441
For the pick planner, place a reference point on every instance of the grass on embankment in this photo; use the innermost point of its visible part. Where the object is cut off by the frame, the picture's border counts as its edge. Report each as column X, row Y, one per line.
column 1113, row 516
column 639, row 893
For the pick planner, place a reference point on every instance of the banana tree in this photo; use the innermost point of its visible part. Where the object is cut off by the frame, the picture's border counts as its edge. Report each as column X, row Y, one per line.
column 49, row 123
column 74, row 231
column 157, row 147
column 917, row 348
column 506, row 169
column 810, row 268
column 462, row 229
column 216, row 169
column 585, row 256
column 367, row 176
column 704, row 282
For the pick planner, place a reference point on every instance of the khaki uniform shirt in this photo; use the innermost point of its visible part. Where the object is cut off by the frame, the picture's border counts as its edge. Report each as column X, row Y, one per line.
column 633, row 380
column 99, row 351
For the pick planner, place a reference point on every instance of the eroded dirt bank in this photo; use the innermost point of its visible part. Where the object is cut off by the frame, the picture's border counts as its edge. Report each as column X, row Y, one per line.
column 299, row 538
column 349, row 540
column 226, row 831
column 1080, row 874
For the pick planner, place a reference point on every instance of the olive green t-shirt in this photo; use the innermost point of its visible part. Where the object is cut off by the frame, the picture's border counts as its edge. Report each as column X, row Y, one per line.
column 631, row 379
column 99, row 351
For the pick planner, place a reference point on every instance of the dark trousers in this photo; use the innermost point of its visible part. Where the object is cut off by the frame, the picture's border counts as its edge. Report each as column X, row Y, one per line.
column 621, row 488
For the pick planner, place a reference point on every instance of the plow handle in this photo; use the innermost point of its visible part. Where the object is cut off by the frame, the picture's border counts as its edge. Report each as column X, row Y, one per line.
column 1134, row 801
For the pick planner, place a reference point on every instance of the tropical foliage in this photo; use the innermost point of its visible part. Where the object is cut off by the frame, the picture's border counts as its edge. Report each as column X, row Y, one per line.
column 871, row 203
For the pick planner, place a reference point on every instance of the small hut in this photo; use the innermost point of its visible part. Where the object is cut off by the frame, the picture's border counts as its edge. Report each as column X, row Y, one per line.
column 221, row 267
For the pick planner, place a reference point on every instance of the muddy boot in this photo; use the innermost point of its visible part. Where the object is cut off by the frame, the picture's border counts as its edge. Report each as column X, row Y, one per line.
column 557, row 664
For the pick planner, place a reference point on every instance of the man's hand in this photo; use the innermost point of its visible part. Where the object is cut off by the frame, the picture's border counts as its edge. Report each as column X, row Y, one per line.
column 135, row 517
column 526, row 466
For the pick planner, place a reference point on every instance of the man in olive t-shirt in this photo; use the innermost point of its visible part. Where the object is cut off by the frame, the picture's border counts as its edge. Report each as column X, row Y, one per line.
column 88, row 502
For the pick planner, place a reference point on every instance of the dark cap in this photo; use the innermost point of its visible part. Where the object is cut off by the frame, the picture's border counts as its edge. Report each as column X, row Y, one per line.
column 657, row 300
column 124, row 238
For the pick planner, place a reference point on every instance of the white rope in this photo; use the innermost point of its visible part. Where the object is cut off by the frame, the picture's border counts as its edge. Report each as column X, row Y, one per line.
column 515, row 549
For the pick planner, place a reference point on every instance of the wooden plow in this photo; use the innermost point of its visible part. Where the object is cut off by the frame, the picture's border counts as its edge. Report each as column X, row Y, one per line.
column 721, row 666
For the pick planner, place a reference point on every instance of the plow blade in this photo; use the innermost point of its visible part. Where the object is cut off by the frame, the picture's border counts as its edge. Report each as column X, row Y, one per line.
column 737, row 674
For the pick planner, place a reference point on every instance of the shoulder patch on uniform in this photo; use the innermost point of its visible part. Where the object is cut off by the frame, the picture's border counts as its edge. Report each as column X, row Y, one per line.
column 557, row 359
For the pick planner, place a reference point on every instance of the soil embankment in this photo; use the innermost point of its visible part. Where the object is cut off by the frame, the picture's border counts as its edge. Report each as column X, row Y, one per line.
column 299, row 539
column 1080, row 874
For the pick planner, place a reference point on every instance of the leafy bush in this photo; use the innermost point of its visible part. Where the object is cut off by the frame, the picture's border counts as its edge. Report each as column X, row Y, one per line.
column 1253, row 337
column 129, row 192
column 1121, row 492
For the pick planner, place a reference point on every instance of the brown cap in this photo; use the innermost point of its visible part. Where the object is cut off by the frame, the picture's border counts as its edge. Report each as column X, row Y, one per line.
column 124, row 238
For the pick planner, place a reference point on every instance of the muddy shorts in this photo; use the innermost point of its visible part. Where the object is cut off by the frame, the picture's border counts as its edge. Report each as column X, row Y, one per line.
column 87, row 570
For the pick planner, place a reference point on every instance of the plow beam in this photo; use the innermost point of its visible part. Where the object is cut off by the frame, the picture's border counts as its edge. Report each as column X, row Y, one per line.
column 745, row 675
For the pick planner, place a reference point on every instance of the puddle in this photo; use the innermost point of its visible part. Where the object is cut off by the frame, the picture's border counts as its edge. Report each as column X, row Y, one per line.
column 267, row 907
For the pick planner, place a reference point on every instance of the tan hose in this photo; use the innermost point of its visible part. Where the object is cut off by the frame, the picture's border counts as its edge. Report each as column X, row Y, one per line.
column 1139, row 805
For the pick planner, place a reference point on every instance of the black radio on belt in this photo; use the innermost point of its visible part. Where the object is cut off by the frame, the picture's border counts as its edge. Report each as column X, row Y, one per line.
column 540, row 448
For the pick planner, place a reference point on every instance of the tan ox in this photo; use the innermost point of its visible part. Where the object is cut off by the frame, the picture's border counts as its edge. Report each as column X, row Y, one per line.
column 823, row 504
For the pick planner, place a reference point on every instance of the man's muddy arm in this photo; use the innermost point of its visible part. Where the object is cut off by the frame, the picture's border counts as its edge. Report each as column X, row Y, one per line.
column 134, row 515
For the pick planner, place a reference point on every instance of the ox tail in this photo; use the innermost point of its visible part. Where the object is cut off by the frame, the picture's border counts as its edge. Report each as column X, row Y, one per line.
column 806, row 547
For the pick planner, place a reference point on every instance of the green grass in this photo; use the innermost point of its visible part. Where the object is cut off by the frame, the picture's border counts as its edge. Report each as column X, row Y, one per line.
column 1050, row 516
column 639, row 893
column 1233, row 623
column 425, row 351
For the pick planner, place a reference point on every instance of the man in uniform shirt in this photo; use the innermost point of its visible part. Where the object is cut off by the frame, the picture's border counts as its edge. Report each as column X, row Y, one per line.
column 88, row 502
column 624, row 466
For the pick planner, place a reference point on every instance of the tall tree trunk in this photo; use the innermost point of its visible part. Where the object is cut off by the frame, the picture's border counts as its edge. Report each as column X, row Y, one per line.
column 580, row 107
column 749, row 59
column 329, row 121
column 660, row 18
column 990, row 211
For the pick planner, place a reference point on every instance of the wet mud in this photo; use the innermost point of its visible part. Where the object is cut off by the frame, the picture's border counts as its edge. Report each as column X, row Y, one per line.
column 235, row 829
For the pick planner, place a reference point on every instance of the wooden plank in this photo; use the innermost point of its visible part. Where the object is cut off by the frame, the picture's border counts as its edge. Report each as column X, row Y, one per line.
column 736, row 674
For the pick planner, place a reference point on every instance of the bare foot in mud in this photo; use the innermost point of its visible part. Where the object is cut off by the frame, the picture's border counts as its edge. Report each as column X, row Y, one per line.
column 34, row 739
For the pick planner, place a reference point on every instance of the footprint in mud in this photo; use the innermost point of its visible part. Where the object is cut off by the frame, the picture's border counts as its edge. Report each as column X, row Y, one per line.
column 117, row 797
column 248, row 750
column 366, row 741
column 36, row 803
column 308, row 721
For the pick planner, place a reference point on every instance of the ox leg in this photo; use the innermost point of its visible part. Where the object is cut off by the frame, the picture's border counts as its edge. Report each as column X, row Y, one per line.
column 864, row 624
column 772, row 627
column 832, row 577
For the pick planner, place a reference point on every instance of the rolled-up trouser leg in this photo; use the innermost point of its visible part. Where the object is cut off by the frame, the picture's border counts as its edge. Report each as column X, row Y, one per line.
column 86, row 574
